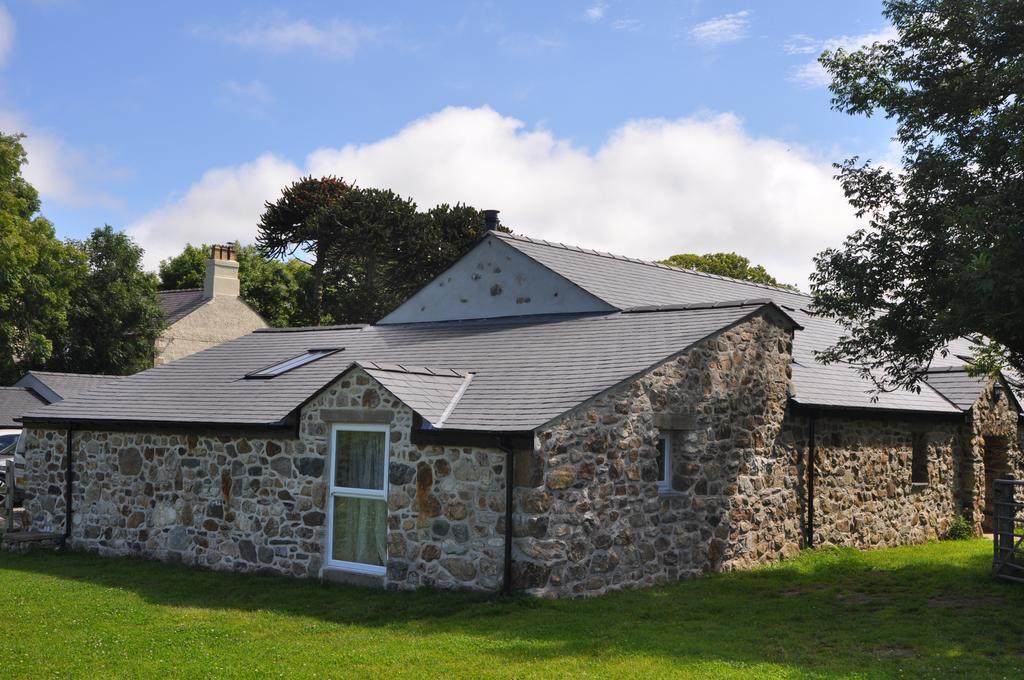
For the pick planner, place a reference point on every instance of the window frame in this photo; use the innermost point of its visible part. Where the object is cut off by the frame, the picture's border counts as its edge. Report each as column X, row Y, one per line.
column 919, row 446
column 334, row 491
column 666, row 471
column 319, row 352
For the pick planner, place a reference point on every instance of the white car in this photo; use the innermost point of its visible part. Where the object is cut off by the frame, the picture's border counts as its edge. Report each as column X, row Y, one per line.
column 9, row 450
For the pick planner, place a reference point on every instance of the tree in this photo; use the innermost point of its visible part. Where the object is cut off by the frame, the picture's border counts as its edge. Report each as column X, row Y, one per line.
column 371, row 247
column 37, row 271
column 377, row 232
column 726, row 264
column 273, row 288
column 940, row 255
column 385, row 250
column 185, row 270
column 114, row 319
column 291, row 224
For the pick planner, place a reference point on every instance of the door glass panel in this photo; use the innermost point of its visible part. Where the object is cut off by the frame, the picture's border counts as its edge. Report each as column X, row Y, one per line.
column 360, row 530
column 359, row 460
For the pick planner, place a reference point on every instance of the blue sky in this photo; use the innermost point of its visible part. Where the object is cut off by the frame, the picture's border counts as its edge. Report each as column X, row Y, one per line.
column 176, row 120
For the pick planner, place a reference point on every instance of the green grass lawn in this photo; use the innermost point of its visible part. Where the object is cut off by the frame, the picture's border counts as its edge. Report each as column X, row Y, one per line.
column 922, row 611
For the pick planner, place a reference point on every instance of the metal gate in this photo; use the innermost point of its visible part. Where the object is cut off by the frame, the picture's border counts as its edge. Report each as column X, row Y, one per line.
column 1008, row 530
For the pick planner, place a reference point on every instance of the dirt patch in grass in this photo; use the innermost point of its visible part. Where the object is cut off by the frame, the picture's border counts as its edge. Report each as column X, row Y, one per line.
column 964, row 603
column 894, row 652
column 803, row 590
column 859, row 599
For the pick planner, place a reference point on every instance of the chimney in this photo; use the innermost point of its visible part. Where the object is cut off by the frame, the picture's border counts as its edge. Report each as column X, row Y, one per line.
column 490, row 219
column 221, row 272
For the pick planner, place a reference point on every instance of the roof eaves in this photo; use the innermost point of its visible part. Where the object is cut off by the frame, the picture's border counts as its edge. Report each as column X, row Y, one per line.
column 832, row 408
column 313, row 329
column 137, row 424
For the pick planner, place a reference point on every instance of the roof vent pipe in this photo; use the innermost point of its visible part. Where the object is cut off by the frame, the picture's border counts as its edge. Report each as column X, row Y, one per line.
column 490, row 219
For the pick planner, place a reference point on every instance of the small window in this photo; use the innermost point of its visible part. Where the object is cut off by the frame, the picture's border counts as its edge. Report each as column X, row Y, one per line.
column 919, row 463
column 280, row 367
column 665, row 461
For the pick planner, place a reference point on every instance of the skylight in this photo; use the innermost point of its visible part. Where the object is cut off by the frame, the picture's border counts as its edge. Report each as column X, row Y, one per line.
column 280, row 367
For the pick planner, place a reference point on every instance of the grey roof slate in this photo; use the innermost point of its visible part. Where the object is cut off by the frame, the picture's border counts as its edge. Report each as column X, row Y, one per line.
column 956, row 385
column 16, row 401
column 177, row 304
column 526, row 370
column 630, row 283
column 625, row 282
column 432, row 393
column 958, row 353
column 65, row 385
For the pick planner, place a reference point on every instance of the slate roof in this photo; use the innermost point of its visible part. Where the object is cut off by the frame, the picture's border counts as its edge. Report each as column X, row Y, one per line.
column 526, row 371
column 67, row 385
column 14, row 402
column 954, row 383
column 507, row 374
column 626, row 283
column 433, row 393
column 177, row 304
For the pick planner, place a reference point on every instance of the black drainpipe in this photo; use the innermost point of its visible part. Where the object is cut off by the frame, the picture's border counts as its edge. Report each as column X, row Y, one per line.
column 504, row 445
column 68, row 475
column 811, row 458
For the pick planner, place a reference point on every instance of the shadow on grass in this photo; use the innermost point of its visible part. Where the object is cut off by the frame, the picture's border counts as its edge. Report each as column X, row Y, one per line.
column 933, row 611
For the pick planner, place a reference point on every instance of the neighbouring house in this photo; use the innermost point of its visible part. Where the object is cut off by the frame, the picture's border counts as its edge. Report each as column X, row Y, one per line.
column 38, row 388
column 15, row 401
column 35, row 389
column 53, row 386
column 199, row 318
column 540, row 417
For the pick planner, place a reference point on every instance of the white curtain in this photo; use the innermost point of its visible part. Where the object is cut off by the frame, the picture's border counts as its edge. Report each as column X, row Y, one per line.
column 360, row 524
column 360, row 530
column 359, row 460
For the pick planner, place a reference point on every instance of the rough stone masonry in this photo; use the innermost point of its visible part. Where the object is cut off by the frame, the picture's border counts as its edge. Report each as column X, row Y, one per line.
column 589, row 515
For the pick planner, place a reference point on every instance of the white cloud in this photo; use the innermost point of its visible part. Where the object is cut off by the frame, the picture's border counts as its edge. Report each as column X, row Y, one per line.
column 528, row 44
column 279, row 33
column 724, row 29
column 253, row 90
column 6, row 34
column 250, row 97
column 813, row 74
column 594, row 13
column 652, row 189
column 800, row 43
column 631, row 25
column 59, row 171
column 225, row 204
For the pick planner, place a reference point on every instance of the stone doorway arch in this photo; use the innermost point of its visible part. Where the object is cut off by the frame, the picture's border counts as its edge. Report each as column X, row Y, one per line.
column 996, row 460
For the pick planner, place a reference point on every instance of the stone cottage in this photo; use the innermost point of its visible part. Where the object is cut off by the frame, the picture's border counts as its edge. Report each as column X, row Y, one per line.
column 199, row 318
column 540, row 417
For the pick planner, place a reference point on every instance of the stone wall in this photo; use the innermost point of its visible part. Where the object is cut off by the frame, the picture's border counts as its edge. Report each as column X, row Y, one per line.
column 224, row 502
column 594, row 519
column 863, row 492
column 445, row 504
column 992, row 433
column 590, row 517
column 220, row 319
column 250, row 503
